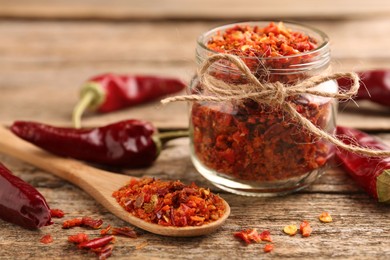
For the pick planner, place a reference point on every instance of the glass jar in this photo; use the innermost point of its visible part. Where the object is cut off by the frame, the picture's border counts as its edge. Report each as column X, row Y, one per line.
column 250, row 148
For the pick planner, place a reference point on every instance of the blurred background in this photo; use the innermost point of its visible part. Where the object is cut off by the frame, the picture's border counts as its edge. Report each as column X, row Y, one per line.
column 51, row 46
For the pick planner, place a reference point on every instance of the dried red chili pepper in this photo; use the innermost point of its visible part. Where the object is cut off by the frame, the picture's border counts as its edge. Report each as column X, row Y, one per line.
column 46, row 239
column 78, row 238
column 170, row 203
column 371, row 173
column 21, row 203
column 97, row 242
column 110, row 92
column 128, row 143
column 57, row 213
column 375, row 86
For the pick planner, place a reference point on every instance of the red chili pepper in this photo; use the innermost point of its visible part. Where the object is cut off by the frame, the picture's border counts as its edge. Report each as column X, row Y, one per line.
column 21, row 203
column 97, row 242
column 371, row 173
column 375, row 86
column 129, row 143
column 111, row 92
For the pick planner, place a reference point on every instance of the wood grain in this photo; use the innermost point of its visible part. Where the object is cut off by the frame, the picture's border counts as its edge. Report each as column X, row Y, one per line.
column 48, row 48
column 191, row 9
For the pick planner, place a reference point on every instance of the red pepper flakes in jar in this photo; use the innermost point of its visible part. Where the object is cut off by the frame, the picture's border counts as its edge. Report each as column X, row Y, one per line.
column 248, row 147
column 170, row 203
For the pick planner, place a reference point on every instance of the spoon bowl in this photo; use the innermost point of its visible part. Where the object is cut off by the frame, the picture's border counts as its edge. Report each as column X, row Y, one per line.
column 97, row 183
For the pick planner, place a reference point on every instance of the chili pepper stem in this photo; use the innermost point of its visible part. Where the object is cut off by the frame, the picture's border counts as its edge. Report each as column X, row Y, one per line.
column 161, row 138
column 92, row 96
column 167, row 136
column 382, row 186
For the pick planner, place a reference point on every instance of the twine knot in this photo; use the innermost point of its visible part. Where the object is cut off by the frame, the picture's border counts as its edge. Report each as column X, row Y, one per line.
column 275, row 95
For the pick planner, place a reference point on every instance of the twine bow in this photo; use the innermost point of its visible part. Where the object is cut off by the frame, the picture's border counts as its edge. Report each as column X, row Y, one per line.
column 275, row 94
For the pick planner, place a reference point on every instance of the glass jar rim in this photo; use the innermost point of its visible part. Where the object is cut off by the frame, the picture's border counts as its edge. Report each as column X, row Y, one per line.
column 202, row 39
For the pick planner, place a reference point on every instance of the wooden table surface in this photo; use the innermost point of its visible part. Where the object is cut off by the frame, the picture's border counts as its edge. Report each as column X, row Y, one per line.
column 48, row 48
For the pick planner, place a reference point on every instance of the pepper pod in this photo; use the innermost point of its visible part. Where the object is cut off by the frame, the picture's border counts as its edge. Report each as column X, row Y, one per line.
column 375, row 86
column 110, row 92
column 129, row 143
column 371, row 173
column 21, row 203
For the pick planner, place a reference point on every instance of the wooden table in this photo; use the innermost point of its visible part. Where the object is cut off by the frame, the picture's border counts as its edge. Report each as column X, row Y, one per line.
column 48, row 48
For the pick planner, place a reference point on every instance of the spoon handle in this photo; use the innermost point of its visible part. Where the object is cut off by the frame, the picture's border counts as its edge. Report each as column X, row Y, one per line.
column 90, row 179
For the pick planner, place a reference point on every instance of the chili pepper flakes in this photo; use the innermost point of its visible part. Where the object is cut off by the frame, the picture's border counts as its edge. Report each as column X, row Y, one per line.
column 78, row 238
column 92, row 223
column 169, row 203
column 274, row 40
column 268, row 248
column 305, row 229
column 75, row 222
column 46, row 239
column 105, row 230
column 96, row 242
column 252, row 235
column 325, row 217
column 124, row 231
column 290, row 230
column 251, row 141
column 84, row 221
column 57, row 213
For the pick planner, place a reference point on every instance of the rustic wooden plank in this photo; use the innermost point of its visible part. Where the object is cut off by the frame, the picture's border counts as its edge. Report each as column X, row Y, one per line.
column 192, row 9
column 361, row 227
column 49, row 93
column 53, row 42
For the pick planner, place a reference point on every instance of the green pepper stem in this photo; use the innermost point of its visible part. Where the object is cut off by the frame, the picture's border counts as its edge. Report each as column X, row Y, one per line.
column 81, row 106
column 92, row 96
column 161, row 138
column 167, row 136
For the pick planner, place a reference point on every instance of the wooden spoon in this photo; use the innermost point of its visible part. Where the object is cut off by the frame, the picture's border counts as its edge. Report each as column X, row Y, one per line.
column 97, row 183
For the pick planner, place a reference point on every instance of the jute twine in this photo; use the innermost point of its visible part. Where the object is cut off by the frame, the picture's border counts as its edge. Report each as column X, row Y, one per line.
column 275, row 94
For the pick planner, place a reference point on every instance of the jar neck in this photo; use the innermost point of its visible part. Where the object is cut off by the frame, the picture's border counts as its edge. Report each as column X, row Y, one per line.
column 285, row 69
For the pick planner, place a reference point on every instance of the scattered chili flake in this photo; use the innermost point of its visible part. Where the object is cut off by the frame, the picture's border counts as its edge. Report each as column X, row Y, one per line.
column 325, row 217
column 96, row 242
column 75, row 222
column 268, row 248
column 170, row 203
column 266, row 236
column 124, row 231
column 78, row 238
column 93, row 223
column 249, row 236
column 105, row 252
column 290, row 230
column 57, row 213
column 305, row 229
column 105, row 230
column 46, row 239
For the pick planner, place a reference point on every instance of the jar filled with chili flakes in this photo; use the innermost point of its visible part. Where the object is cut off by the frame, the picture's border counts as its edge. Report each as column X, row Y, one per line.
column 249, row 147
